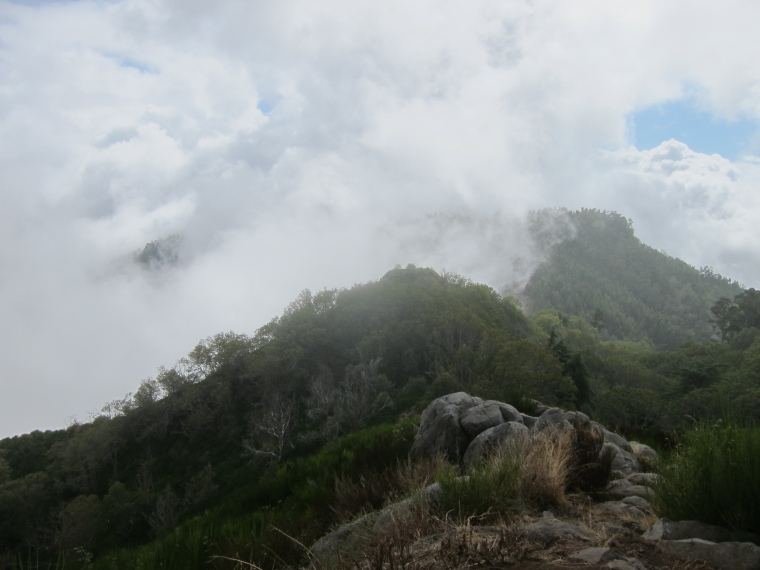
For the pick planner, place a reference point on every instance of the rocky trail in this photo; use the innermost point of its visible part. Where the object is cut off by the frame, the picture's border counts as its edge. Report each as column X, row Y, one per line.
column 607, row 523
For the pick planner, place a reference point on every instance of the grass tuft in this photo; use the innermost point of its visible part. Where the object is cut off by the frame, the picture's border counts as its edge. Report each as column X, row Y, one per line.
column 488, row 491
column 537, row 470
column 713, row 477
column 545, row 470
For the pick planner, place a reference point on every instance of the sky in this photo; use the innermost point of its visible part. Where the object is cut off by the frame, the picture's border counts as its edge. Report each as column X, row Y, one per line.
column 316, row 144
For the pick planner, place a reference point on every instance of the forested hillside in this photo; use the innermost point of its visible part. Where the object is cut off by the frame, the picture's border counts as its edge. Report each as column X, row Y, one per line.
column 629, row 290
column 250, row 440
column 211, row 431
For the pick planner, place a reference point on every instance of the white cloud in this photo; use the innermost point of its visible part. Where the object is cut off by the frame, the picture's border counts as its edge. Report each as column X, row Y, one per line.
column 700, row 208
column 121, row 122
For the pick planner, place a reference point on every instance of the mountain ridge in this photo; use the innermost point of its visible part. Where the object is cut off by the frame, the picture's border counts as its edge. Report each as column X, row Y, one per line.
column 606, row 274
column 250, row 433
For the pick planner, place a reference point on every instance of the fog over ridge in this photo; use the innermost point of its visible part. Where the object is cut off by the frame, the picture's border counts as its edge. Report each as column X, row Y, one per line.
column 317, row 145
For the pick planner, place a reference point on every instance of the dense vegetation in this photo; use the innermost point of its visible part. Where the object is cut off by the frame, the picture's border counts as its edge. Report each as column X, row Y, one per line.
column 713, row 477
column 246, row 441
column 629, row 290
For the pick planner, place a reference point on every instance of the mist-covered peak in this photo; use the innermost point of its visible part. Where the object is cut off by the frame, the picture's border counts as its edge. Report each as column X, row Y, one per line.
column 160, row 253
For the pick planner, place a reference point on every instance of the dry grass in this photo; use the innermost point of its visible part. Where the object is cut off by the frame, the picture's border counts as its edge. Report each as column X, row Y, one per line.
column 545, row 464
column 539, row 471
column 587, row 471
column 371, row 492
column 444, row 546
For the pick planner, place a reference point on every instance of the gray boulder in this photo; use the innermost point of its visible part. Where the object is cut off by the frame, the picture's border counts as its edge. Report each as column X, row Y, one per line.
column 722, row 555
column 649, row 479
column 491, row 440
column 510, row 413
column 553, row 417
column 595, row 555
column 625, row 564
column 620, row 460
column 617, row 484
column 618, row 510
column 392, row 515
column 434, row 492
column 666, row 529
column 645, row 454
column 440, row 429
column 612, row 437
column 529, row 421
column 548, row 529
column 620, row 493
column 348, row 538
column 636, row 501
column 560, row 419
column 479, row 418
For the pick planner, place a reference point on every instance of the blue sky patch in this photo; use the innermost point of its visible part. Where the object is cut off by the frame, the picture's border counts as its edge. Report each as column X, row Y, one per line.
column 268, row 103
column 700, row 130
column 136, row 64
column 265, row 106
column 42, row 2
column 126, row 61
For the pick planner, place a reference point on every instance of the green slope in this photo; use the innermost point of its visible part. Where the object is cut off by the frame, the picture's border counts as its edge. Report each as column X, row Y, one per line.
column 189, row 466
column 606, row 275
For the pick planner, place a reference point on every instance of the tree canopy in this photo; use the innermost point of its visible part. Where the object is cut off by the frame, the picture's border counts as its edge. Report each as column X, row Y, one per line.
column 630, row 291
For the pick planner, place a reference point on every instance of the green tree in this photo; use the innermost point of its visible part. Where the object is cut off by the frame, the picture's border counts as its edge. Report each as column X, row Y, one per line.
column 80, row 523
column 731, row 317
column 525, row 368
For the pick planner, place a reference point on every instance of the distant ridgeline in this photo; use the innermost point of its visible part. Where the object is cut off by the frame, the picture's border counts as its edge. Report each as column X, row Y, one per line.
column 627, row 289
column 250, row 440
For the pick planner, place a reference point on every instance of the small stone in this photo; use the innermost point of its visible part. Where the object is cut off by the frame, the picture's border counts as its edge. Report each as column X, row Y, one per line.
column 627, row 564
column 434, row 492
column 618, row 484
column 636, row 501
column 617, row 510
column 648, row 479
column 595, row 555
column 618, row 493
column 548, row 530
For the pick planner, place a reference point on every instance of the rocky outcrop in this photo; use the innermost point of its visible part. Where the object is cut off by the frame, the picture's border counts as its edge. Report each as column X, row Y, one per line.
column 478, row 419
column 492, row 439
column 722, row 555
column 467, row 430
column 713, row 545
column 441, row 431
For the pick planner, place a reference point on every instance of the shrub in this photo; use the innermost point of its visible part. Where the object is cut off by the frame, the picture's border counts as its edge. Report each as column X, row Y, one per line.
column 587, row 471
column 713, row 477
column 489, row 490
column 377, row 488
column 538, row 470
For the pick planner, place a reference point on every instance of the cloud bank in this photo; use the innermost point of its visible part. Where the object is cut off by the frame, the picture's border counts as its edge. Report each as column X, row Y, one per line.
column 317, row 144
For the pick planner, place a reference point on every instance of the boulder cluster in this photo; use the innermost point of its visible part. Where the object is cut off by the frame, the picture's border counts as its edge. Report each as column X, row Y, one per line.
column 465, row 430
